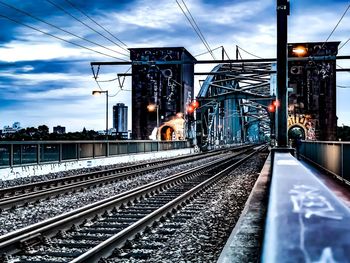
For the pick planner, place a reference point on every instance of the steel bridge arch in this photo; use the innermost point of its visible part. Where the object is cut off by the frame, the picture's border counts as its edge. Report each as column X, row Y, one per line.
column 233, row 103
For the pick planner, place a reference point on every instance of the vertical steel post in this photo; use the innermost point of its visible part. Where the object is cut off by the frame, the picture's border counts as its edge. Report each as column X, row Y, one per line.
column 11, row 155
column 158, row 132
column 106, row 114
column 282, row 56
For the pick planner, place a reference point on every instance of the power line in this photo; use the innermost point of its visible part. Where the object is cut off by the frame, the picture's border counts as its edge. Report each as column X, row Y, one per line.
column 62, row 39
column 207, row 51
column 83, row 23
column 342, row 68
column 54, row 26
column 249, row 53
column 199, row 30
column 213, row 50
column 196, row 30
column 344, row 44
column 334, row 28
column 94, row 21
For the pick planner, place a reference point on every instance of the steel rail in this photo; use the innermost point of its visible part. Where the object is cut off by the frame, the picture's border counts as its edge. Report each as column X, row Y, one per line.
column 13, row 241
column 20, row 200
column 9, row 191
column 107, row 247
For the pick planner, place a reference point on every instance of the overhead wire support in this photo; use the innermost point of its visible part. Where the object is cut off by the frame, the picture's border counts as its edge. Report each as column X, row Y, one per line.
column 85, row 14
column 59, row 38
column 248, row 52
column 207, row 51
column 61, row 29
column 83, row 23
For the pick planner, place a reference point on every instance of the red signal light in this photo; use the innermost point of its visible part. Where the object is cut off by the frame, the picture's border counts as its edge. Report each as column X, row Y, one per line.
column 271, row 108
column 276, row 103
column 190, row 109
column 195, row 104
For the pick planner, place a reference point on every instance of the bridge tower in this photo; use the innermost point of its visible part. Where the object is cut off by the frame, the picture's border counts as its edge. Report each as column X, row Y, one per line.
column 164, row 78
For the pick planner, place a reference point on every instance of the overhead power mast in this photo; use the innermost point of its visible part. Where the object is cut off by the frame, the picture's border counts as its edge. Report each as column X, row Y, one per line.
column 283, row 8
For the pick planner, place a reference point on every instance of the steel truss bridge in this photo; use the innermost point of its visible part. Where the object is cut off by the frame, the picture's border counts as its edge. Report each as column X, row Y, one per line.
column 233, row 99
column 233, row 104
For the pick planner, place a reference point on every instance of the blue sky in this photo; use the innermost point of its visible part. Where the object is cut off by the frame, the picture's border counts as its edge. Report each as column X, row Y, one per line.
column 47, row 81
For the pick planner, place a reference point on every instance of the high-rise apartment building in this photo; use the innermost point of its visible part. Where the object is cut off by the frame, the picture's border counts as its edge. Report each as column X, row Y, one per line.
column 120, row 120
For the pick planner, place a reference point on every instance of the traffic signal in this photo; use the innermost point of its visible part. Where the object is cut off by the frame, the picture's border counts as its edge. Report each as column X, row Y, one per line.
column 192, row 107
column 273, row 106
column 195, row 104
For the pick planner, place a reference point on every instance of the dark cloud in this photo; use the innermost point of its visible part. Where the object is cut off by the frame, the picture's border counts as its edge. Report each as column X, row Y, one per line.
column 46, row 66
column 49, row 13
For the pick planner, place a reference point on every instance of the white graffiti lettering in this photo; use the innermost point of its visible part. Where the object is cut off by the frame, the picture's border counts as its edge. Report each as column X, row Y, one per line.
column 309, row 201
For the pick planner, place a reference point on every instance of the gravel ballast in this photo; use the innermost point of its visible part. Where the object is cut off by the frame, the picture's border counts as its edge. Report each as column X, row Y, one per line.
column 202, row 237
column 11, row 220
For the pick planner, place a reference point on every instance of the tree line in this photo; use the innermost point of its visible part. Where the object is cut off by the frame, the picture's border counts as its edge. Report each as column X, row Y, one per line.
column 42, row 133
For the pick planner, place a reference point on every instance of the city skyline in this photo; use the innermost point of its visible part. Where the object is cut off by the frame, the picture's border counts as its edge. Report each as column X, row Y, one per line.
column 46, row 81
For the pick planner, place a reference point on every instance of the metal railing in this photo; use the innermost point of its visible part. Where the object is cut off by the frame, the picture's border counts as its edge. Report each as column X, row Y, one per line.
column 17, row 153
column 334, row 157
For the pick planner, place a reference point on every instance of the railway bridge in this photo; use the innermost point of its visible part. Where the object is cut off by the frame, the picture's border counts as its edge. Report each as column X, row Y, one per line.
column 124, row 201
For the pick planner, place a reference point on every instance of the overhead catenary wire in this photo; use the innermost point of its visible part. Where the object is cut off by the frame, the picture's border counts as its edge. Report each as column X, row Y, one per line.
column 249, row 52
column 62, row 39
column 207, row 52
column 213, row 50
column 344, row 44
column 199, row 30
column 114, row 79
column 83, row 23
column 342, row 68
column 94, row 21
column 196, row 30
column 54, row 26
column 329, row 36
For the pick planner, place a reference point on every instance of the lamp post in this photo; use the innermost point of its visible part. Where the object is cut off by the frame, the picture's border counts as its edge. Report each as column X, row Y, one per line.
column 97, row 93
column 152, row 108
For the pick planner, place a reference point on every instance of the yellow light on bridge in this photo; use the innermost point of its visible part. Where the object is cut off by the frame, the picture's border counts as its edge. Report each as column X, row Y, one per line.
column 151, row 107
column 300, row 51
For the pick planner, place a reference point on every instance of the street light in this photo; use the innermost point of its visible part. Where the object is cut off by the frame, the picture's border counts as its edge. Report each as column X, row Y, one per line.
column 152, row 108
column 97, row 93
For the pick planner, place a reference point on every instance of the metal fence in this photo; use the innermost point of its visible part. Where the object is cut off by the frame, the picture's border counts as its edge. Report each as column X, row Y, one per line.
column 334, row 157
column 38, row 152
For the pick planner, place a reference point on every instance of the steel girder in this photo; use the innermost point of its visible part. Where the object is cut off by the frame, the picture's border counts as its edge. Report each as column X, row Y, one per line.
column 233, row 104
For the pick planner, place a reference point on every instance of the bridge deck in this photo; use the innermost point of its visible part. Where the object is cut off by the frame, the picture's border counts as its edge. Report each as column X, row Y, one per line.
column 307, row 217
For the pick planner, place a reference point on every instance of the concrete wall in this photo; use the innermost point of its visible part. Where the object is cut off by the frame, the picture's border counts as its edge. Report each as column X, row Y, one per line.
column 40, row 169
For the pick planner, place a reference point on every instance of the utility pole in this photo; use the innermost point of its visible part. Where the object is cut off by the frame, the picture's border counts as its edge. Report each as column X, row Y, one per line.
column 283, row 8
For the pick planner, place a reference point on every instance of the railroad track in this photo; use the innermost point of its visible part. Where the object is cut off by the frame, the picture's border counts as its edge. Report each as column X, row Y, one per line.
column 21, row 195
column 94, row 231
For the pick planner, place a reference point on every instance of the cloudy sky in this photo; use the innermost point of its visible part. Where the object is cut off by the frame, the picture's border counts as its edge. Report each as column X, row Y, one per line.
column 48, row 80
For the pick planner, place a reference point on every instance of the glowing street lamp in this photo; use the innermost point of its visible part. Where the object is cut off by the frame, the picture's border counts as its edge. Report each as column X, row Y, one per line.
column 152, row 108
column 300, row 51
column 98, row 93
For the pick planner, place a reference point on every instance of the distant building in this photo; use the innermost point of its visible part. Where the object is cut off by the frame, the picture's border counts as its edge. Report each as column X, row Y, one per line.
column 120, row 120
column 16, row 126
column 59, row 129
